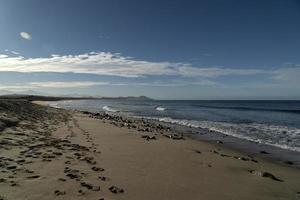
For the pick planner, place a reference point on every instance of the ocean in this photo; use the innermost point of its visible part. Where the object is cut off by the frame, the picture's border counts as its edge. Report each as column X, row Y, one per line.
column 275, row 123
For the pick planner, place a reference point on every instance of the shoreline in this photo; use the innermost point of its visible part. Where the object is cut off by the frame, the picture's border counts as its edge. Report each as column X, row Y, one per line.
column 94, row 157
column 270, row 152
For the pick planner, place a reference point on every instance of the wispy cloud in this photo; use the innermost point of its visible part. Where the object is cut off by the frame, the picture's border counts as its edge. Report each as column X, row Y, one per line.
column 114, row 64
column 213, row 72
column 11, row 52
column 103, row 63
column 16, row 87
column 25, row 35
column 288, row 74
column 94, row 63
column 174, row 83
column 15, row 53
column 72, row 84
column 87, row 84
column 51, row 84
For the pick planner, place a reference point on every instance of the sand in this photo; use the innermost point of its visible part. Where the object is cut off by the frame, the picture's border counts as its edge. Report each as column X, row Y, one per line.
column 88, row 157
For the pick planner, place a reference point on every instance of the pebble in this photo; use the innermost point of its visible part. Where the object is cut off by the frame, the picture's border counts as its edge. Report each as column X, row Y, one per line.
column 58, row 193
column 149, row 137
column 33, row 177
column 86, row 185
column 197, row 151
column 289, row 162
column 96, row 169
column 265, row 175
column 264, row 152
column 116, row 190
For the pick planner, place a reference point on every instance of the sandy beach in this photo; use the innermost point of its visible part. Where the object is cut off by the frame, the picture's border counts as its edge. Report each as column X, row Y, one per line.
column 48, row 153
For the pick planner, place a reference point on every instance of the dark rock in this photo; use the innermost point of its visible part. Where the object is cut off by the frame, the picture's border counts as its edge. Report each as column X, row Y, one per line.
column 289, row 162
column 243, row 158
column 57, row 153
column 96, row 188
column 116, row 190
column 86, row 185
column 271, row 176
column 72, row 176
column 197, row 151
column 13, row 184
column 90, row 160
column 225, row 155
column 81, row 192
column 175, row 137
column 264, row 152
column 215, row 152
column 2, row 180
column 33, row 177
column 11, row 167
column 103, row 178
column 29, row 171
column 149, row 137
column 58, row 193
column 265, row 175
column 96, row 169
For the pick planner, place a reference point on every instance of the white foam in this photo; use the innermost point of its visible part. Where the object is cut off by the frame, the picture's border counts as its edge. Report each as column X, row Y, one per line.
column 160, row 108
column 255, row 132
column 109, row 109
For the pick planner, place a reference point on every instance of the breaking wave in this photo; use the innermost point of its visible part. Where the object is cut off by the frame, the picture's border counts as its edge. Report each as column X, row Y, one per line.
column 160, row 108
column 109, row 109
column 275, row 135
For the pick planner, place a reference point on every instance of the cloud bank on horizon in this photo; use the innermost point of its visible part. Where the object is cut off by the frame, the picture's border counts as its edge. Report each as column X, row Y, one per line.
column 114, row 64
column 128, row 68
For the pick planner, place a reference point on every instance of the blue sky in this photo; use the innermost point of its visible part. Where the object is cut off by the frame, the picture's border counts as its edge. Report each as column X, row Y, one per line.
column 172, row 49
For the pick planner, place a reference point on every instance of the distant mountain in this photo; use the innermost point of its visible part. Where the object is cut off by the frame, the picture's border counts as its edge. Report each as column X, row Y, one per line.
column 57, row 98
column 140, row 98
column 77, row 95
column 39, row 98
column 24, row 92
column 5, row 92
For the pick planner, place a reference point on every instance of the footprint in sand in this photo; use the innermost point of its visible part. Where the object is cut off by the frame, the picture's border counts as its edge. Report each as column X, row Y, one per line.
column 97, row 169
column 103, row 178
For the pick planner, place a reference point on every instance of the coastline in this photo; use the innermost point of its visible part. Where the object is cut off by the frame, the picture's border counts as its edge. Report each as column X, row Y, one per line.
column 268, row 152
column 249, row 130
column 140, row 160
column 271, row 152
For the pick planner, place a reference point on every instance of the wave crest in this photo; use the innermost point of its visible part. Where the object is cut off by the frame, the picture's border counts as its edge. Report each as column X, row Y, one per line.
column 274, row 135
column 160, row 108
column 109, row 109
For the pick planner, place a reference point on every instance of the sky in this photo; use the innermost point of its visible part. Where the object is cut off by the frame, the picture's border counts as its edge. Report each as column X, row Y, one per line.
column 171, row 49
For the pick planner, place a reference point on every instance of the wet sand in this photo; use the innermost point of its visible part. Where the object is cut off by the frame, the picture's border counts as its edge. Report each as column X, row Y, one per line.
column 75, row 155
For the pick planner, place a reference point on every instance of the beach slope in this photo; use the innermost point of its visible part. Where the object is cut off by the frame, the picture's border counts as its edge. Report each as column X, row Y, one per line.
column 49, row 153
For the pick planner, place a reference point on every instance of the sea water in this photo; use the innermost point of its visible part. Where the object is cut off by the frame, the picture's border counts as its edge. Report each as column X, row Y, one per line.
column 275, row 123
